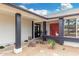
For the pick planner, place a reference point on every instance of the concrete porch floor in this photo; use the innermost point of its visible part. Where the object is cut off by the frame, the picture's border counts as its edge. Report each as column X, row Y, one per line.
column 42, row 50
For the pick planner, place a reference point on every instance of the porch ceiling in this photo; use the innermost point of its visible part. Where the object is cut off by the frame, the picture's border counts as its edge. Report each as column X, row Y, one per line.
column 4, row 9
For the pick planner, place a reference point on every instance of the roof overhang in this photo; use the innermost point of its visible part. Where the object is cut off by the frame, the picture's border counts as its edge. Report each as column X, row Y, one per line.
column 17, row 7
column 11, row 8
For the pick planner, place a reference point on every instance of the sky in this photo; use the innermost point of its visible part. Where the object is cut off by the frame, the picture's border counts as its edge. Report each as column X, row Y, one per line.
column 47, row 8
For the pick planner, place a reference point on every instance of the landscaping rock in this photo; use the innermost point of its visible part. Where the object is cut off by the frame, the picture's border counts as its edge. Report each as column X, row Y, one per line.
column 31, row 43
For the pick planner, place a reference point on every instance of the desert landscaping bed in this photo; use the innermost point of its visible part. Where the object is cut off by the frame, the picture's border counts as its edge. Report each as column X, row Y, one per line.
column 44, row 50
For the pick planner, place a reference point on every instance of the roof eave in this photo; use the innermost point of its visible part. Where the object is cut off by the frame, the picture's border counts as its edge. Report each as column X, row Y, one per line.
column 15, row 6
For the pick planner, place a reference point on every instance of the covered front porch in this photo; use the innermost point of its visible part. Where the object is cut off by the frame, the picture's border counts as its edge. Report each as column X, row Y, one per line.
column 19, row 25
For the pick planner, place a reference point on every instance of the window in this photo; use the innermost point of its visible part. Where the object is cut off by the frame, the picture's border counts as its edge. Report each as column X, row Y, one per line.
column 70, row 27
column 77, row 27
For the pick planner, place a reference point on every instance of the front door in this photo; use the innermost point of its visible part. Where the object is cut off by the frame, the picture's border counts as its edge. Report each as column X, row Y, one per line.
column 37, row 30
column 54, row 29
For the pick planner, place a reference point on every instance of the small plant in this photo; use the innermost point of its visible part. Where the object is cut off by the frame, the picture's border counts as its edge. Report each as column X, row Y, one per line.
column 1, row 47
column 51, row 43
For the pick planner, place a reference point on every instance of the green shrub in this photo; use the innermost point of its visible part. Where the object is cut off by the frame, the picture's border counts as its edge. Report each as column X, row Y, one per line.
column 1, row 47
column 51, row 43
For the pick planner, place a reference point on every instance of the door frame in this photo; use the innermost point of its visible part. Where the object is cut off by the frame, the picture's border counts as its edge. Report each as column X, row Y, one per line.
column 39, row 25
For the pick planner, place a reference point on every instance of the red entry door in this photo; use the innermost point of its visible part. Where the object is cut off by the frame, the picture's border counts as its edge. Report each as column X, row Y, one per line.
column 54, row 29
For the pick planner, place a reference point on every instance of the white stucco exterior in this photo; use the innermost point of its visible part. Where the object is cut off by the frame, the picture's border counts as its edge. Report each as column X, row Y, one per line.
column 26, row 28
column 7, row 29
column 48, row 28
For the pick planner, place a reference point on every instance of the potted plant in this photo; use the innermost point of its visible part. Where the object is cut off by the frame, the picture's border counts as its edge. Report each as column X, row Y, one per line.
column 51, row 43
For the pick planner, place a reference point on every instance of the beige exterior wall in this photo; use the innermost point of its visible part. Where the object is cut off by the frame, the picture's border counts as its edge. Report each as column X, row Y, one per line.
column 7, row 29
column 48, row 28
column 26, row 28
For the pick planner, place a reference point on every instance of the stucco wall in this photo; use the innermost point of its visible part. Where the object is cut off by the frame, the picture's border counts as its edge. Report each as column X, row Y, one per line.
column 7, row 29
column 26, row 29
column 48, row 28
